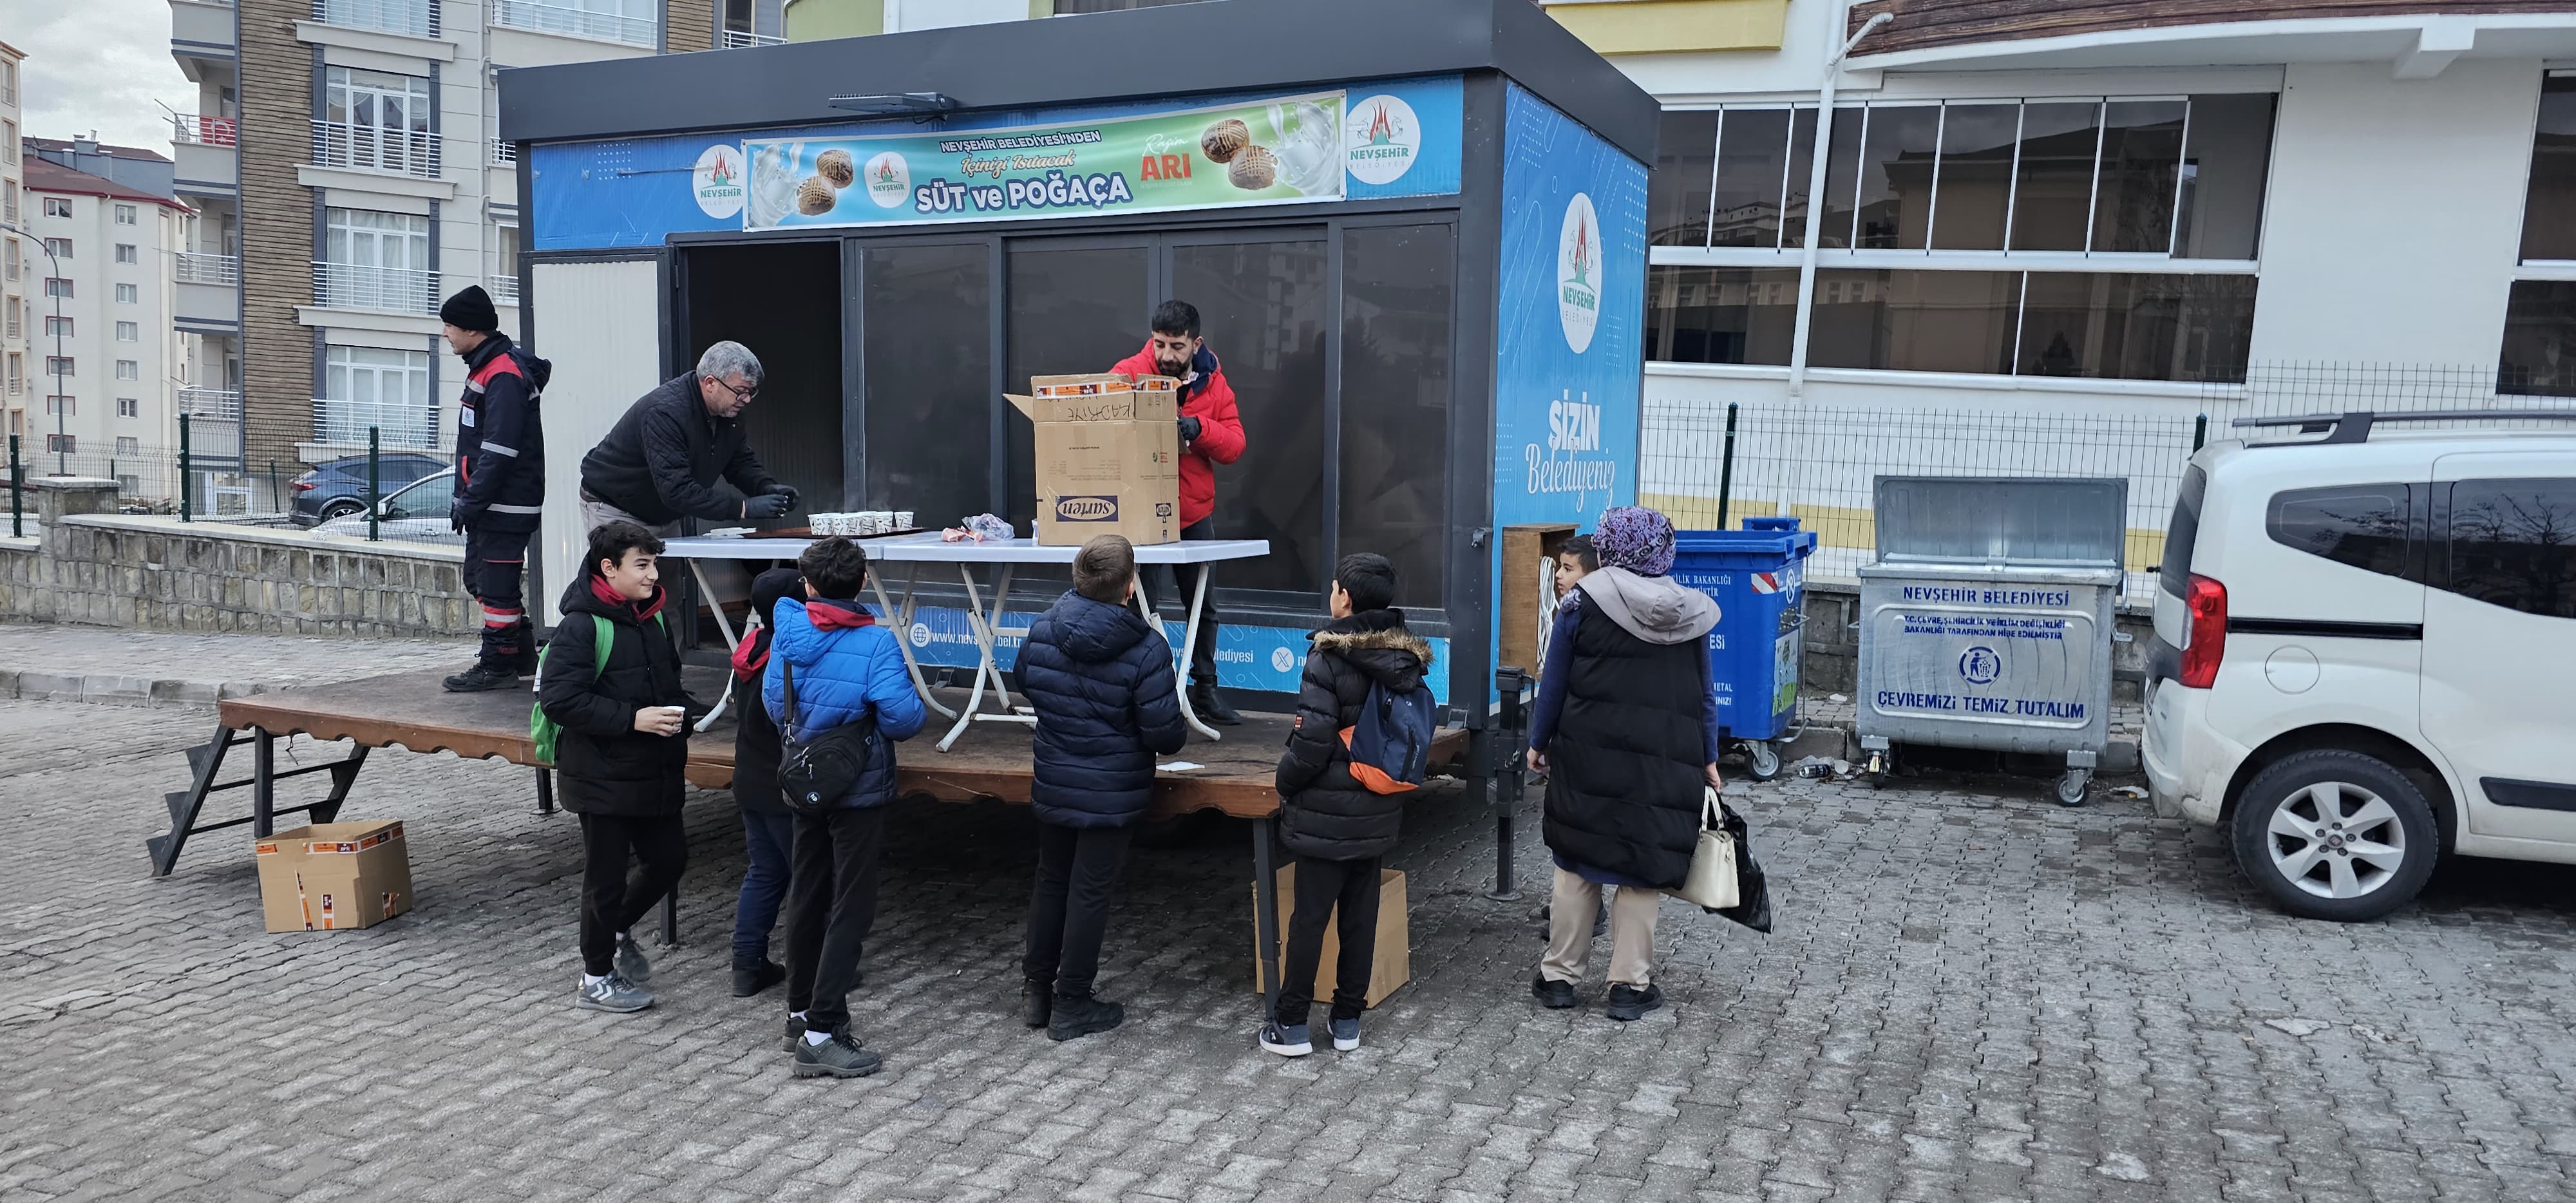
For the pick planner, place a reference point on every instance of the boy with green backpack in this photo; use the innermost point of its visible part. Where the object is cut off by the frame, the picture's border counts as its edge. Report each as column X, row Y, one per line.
column 608, row 686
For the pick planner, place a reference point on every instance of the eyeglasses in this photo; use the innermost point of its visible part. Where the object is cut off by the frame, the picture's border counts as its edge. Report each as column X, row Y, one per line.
column 745, row 394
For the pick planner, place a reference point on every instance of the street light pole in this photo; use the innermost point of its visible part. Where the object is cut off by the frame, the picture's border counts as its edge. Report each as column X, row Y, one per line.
column 62, row 451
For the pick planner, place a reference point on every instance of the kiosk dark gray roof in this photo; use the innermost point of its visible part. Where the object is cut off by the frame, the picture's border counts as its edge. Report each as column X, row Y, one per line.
column 1177, row 50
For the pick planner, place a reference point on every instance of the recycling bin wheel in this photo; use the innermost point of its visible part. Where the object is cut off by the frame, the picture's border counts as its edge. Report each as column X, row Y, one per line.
column 2072, row 787
column 1762, row 759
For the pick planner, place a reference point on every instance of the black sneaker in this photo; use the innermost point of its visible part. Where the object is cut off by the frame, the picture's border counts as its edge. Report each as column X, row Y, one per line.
column 1552, row 994
column 1287, row 1039
column 838, row 1057
column 1037, row 1003
column 524, row 661
column 1208, row 705
column 795, row 1033
column 1072, row 1018
column 482, row 678
column 748, row 982
column 1628, row 1002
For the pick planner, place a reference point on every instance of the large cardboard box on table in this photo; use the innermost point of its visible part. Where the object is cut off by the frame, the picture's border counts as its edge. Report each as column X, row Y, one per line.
column 334, row 876
column 1108, row 457
column 1394, row 962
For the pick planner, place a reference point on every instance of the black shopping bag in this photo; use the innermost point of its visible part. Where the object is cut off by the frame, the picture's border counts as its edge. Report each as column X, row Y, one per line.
column 1754, row 909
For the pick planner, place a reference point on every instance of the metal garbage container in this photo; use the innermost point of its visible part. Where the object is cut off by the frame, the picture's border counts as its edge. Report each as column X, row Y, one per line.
column 1756, row 576
column 1986, row 619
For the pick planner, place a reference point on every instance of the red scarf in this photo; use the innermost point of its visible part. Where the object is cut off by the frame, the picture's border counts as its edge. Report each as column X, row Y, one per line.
column 838, row 615
column 643, row 610
column 751, row 656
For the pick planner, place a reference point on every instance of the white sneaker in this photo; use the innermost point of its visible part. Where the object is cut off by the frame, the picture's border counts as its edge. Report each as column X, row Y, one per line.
column 613, row 994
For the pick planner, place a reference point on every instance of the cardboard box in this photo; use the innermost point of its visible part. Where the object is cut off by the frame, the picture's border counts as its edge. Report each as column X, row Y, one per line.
column 1529, row 591
column 1394, row 962
column 334, row 876
column 1108, row 457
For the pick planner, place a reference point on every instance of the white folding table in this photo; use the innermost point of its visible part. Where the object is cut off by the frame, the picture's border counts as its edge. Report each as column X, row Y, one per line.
column 999, row 558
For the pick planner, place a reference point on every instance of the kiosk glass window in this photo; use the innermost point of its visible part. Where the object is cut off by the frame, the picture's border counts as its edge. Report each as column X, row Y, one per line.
column 1398, row 301
column 926, row 339
column 1263, row 307
column 1072, row 309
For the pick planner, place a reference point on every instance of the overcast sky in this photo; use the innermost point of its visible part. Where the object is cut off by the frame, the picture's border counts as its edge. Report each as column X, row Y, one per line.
column 97, row 65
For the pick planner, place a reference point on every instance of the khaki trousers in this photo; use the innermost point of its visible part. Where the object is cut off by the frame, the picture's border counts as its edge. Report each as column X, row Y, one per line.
column 596, row 514
column 1571, row 906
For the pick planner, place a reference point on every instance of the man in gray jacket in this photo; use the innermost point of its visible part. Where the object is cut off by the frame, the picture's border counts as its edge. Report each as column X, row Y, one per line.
column 659, row 464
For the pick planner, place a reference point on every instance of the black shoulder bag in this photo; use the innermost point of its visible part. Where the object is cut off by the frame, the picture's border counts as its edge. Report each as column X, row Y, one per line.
column 815, row 774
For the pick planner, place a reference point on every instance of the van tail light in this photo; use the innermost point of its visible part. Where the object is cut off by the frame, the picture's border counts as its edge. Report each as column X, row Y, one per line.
column 303, row 486
column 2205, row 604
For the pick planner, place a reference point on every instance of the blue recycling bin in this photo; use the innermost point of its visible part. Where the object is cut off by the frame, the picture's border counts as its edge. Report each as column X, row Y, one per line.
column 1756, row 575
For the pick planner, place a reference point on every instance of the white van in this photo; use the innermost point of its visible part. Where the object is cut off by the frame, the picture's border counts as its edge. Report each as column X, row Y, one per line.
column 2365, row 653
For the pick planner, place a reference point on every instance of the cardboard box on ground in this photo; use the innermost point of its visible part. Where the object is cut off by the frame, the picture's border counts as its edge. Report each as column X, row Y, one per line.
column 1393, row 965
column 1108, row 457
column 334, row 876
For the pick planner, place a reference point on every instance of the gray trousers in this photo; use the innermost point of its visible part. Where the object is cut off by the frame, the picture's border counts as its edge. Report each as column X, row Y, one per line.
column 596, row 514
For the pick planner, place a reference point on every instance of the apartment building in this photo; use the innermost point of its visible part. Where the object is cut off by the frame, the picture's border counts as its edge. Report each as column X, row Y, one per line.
column 15, row 251
column 343, row 160
column 105, row 363
column 132, row 166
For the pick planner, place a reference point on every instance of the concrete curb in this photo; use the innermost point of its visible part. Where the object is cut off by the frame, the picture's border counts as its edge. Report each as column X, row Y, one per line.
column 110, row 689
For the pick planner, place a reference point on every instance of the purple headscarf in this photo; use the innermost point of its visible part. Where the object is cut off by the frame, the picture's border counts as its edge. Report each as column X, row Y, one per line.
column 1635, row 538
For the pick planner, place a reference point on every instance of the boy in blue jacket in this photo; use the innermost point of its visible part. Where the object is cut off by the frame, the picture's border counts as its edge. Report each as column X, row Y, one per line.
column 1100, row 677
column 848, row 670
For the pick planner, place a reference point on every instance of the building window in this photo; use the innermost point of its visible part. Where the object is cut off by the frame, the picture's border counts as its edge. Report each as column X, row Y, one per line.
column 1975, row 192
column 2539, row 355
column 68, row 407
column 66, row 444
column 17, row 374
column 376, row 119
column 125, row 253
column 59, row 248
column 60, row 365
column 129, row 407
column 128, row 369
column 56, row 206
column 8, row 141
column 128, row 445
column 125, row 215
column 59, row 327
column 126, row 294
column 372, row 387
column 13, row 261
column 129, row 332
column 56, row 286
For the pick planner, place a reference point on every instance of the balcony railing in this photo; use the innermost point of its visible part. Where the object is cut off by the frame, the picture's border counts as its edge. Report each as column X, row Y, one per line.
column 375, row 148
column 504, row 154
column 419, row 18
column 345, row 423
column 198, row 130
column 504, row 289
column 214, row 422
column 196, row 268
column 736, row 39
column 580, row 23
column 390, row 289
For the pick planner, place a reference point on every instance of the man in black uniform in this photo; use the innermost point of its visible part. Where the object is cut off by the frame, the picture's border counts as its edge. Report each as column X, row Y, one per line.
column 500, row 483
column 657, row 465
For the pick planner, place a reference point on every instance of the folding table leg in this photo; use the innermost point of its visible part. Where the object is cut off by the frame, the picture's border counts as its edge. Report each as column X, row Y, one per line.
column 983, row 638
column 263, row 783
column 708, row 592
column 1190, row 641
column 545, row 791
column 671, row 918
column 901, row 619
column 1265, row 916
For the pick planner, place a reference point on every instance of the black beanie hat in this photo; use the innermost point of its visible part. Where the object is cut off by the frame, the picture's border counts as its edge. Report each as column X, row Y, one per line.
column 471, row 310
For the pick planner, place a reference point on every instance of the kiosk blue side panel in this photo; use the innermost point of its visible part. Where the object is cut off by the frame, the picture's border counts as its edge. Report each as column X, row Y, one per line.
column 1570, row 362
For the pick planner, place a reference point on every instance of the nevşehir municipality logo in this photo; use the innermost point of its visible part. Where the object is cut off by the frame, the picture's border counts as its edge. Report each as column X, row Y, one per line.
column 1384, row 138
column 717, row 181
column 889, row 180
column 1578, row 273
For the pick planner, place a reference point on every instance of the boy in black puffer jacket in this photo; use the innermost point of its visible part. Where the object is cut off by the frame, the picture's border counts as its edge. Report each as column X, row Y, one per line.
column 1339, row 830
column 620, row 755
column 1100, row 678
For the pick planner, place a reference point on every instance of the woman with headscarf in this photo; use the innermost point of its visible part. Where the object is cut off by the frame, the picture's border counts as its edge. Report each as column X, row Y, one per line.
column 1625, row 727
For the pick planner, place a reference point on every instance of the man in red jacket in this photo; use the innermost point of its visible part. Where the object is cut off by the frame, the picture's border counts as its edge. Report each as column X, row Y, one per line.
column 1211, row 434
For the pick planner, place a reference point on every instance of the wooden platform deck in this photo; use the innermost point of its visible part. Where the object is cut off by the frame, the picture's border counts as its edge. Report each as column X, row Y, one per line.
column 991, row 760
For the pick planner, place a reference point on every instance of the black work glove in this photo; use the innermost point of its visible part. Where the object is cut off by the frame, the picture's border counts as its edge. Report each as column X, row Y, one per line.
column 786, row 491
column 1189, row 430
column 767, row 505
column 461, row 511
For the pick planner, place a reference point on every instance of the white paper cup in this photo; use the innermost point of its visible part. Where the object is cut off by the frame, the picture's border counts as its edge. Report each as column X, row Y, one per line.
column 903, row 519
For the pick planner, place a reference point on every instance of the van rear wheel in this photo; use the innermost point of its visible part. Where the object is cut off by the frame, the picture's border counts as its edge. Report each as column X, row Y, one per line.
column 2335, row 834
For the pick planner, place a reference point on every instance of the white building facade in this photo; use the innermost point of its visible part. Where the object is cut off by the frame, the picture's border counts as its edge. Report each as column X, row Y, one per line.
column 102, row 309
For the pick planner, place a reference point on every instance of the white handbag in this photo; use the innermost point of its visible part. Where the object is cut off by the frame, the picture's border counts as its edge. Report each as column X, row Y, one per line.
column 1711, row 884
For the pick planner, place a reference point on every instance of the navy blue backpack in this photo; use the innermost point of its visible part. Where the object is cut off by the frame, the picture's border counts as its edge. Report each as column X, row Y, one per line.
column 1390, row 745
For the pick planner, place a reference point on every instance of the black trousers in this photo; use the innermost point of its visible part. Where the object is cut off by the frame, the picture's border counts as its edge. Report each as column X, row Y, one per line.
column 1182, row 583
column 493, row 564
column 611, row 901
column 1323, row 885
column 1069, row 909
column 831, row 904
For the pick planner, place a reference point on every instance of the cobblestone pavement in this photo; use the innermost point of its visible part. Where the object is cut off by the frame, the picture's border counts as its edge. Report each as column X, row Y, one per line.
column 62, row 662
column 1971, row 995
